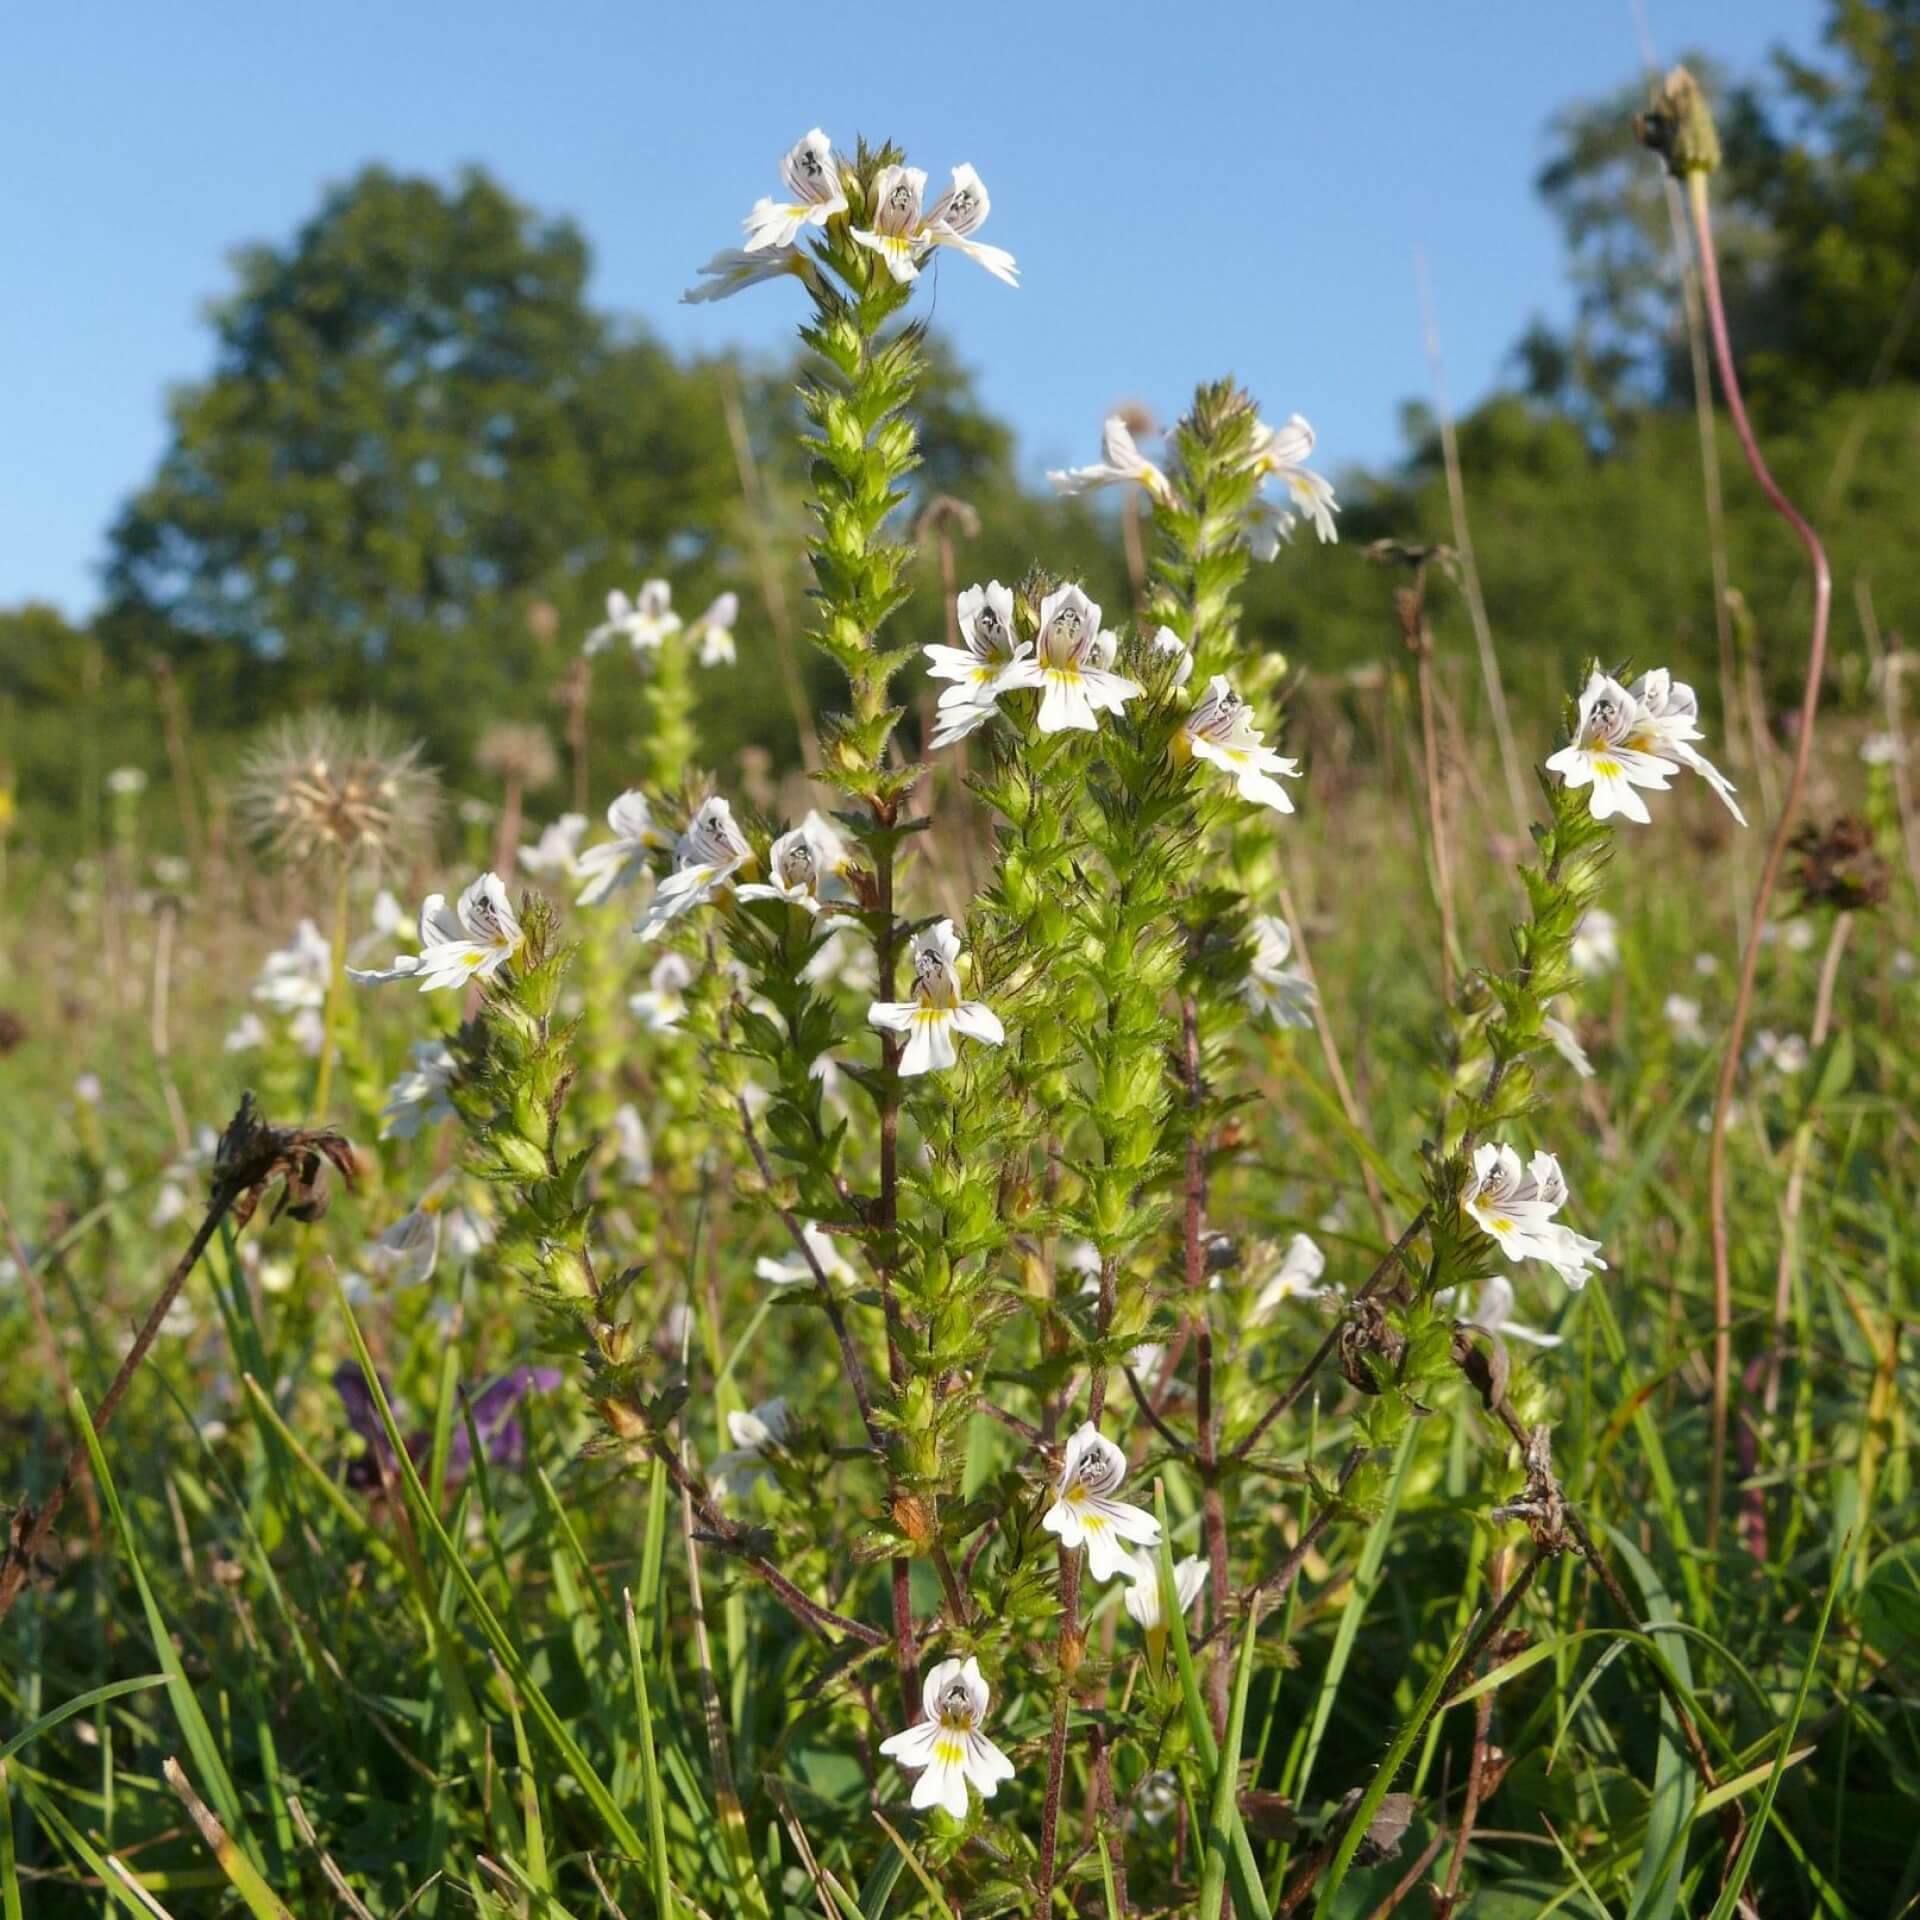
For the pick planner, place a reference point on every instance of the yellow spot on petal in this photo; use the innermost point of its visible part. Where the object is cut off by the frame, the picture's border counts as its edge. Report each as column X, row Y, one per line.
column 1610, row 769
column 950, row 1751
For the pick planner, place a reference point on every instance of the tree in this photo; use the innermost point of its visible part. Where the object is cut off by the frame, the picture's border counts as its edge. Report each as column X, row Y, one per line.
column 416, row 433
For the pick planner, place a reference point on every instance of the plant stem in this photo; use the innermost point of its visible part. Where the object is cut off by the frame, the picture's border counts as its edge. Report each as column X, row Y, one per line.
column 1776, row 851
column 336, row 981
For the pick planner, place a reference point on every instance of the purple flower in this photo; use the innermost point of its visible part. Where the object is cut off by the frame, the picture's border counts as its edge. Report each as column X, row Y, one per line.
column 492, row 1409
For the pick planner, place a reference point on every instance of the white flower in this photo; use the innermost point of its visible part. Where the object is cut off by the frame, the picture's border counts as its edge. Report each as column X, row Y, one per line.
column 733, row 270
column 714, row 631
column 903, row 236
column 705, row 858
column 1882, row 750
column 1298, row 1278
column 1516, row 1205
column 631, row 1145
column 985, row 619
column 792, row 1268
column 1085, row 1513
column 296, row 975
column 1166, row 641
column 1072, row 661
column 1634, row 737
column 1783, row 1053
column 1142, row 1597
column 87, row 1089
column 558, row 848
column 246, row 1033
column 767, row 1426
column 1282, row 452
column 1283, row 993
column 615, row 862
column 814, row 195
column 405, row 1255
column 936, row 1013
column 473, row 942
column 169, row 1203
column 1596, row 943
column 945, row 1746
column 1220, row 731
column 1600, row 758
column 1682, row 1014
column 1668, row 723
column 1566, row 1043
column 1121, row 462
column 1493, row 1313
column 807, row 864
column 419, row 1097
column 308, row 1031
column 127, row 780
column 644, row 622
column 663, row 1004
column 1796, row 935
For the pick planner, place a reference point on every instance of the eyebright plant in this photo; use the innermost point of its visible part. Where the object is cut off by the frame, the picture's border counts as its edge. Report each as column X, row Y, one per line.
column 988, row 1146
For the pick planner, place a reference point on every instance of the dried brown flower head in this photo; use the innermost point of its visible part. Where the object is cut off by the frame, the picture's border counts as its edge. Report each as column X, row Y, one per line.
column 1839, row 866
column 326, row 787
column 520, row 754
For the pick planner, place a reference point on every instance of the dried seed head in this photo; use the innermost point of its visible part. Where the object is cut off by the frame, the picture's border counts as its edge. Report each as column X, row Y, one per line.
column 326, row 787
column 1839, row 866
column 521, row 754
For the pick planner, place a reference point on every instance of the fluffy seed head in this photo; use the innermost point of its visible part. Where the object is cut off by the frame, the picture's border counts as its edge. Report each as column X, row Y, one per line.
column 326, row 787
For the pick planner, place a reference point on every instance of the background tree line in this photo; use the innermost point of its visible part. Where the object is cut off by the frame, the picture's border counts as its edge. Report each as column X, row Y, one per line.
column 421, row 458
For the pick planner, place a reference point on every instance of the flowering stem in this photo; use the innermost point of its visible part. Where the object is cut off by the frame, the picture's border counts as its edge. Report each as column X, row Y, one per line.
column 1213, row 1519
column 336, row 980
column 1776, row 850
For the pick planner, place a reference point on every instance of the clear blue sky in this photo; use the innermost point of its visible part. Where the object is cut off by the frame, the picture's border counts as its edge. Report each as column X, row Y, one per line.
column 1190, row 187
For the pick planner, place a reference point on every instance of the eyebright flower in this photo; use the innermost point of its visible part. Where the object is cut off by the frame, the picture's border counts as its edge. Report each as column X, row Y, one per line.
column 1297, row 1279
column 615, row 862
column 663, row 1002
column 767, row 1426
column 903, row 237
column 1493, row 1313
column 1283, row 993
column 632, row 1148
column 1142, row 1597
column 732, row 270
column 472, row 942
column 1516, row 1205
column 1121, row 462
column 1220, row 730
column 406, row 1254
column 1682, row 1015
column 1085, row 1513
column 1072, row 662
column 985, row 619
column 1635, row 737
column 714, row 631
column 419, row 1097
column 643, row 622
column 558, row 848
column 814, row 195
column 945, row 1745
column 1566, row 1043
column 1782, row 1053
column 790, row 1269
column 936, row 1013
column 294, row 977
column 1282, row 452
column 807, row 864
column 1596, row 943
column 705, row 858
column 1166, row 641
column 1669, row 722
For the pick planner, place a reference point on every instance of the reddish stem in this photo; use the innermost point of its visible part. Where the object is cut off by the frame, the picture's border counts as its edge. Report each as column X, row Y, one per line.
column 1776, row 850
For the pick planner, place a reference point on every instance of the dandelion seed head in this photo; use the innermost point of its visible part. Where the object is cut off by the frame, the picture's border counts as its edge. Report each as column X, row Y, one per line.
column 324, row 786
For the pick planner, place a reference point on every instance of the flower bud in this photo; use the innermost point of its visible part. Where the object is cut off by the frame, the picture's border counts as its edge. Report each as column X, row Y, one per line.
column 1678, row 126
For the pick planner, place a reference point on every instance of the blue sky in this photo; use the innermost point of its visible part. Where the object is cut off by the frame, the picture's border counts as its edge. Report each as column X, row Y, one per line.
column 1190, row 188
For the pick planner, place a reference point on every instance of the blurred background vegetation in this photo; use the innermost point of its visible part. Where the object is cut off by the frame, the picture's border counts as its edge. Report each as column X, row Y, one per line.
column 420, row 459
